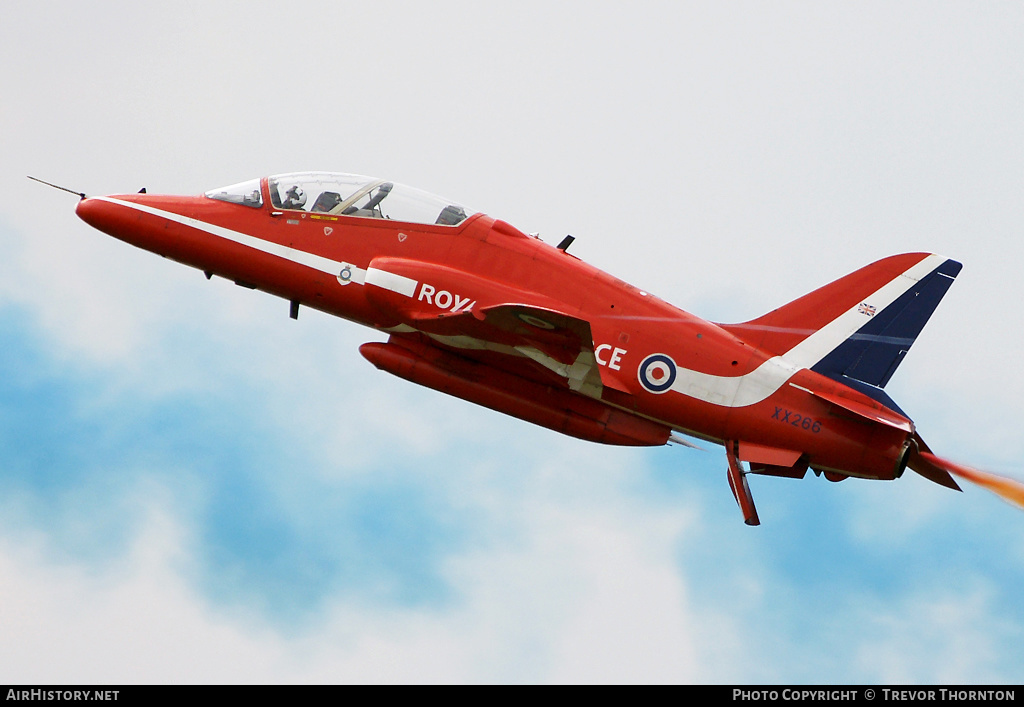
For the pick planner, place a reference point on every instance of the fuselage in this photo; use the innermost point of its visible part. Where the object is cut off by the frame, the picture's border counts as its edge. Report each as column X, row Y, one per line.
column 656, row 362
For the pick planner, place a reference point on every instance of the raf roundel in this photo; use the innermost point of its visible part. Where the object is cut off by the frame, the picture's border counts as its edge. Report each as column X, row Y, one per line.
column 657, row 373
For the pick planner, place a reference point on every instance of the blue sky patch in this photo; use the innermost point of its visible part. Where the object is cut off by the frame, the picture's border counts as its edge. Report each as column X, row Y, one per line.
column 265, row 535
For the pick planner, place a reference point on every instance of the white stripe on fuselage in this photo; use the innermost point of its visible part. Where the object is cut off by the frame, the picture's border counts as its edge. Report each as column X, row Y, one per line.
column 727, row 391
column 766, row 379
column 294, row 255
column 390, row 281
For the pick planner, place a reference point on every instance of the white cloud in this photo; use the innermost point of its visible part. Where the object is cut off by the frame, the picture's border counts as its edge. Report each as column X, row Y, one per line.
column 586, row 595
column 945, row 638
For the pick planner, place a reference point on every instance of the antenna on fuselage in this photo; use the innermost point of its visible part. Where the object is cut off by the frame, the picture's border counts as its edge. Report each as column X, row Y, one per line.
column 566, row 242
column 79, row 194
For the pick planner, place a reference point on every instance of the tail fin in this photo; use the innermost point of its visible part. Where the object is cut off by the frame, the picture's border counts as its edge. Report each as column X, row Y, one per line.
column 857, row 329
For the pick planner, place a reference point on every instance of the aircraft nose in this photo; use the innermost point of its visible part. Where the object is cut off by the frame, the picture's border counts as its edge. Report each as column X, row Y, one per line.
column 113, row 216
column 94, row 212
column 150, row 221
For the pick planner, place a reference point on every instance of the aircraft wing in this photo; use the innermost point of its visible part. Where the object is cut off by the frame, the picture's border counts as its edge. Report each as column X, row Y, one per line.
column 495, row 319
column 557, row 341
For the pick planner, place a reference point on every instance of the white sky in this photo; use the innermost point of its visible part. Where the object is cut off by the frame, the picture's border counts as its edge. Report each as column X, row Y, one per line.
column 727, row 157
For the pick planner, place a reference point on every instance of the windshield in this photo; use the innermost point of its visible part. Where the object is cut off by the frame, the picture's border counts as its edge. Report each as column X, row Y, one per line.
column 245, row 193
column 365, row 197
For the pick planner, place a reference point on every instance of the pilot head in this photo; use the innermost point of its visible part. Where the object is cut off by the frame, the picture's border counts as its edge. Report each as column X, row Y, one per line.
column 295, row 198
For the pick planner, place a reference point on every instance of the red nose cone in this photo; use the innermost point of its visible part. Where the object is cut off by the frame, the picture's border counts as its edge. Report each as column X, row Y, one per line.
column 115, row 217
column 102, row 215
column 89, row 211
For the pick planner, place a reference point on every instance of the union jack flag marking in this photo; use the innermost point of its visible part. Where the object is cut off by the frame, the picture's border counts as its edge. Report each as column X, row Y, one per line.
column 867, row 309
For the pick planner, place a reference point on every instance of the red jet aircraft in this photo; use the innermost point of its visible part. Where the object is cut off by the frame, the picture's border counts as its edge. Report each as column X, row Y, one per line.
column 479, row 310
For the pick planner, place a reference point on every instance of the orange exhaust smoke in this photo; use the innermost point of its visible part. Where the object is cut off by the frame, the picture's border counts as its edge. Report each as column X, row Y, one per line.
column 1010, row 489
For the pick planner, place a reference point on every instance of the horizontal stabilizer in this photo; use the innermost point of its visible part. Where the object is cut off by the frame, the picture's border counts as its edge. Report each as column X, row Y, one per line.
column 1009, row 490
column 931, row 467
column 884, row 416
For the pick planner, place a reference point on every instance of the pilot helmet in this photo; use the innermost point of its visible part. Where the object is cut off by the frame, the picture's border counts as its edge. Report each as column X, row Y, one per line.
column 295, row 197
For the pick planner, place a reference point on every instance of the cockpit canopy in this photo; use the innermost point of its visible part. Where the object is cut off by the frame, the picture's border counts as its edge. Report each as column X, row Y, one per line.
column 341, row 194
